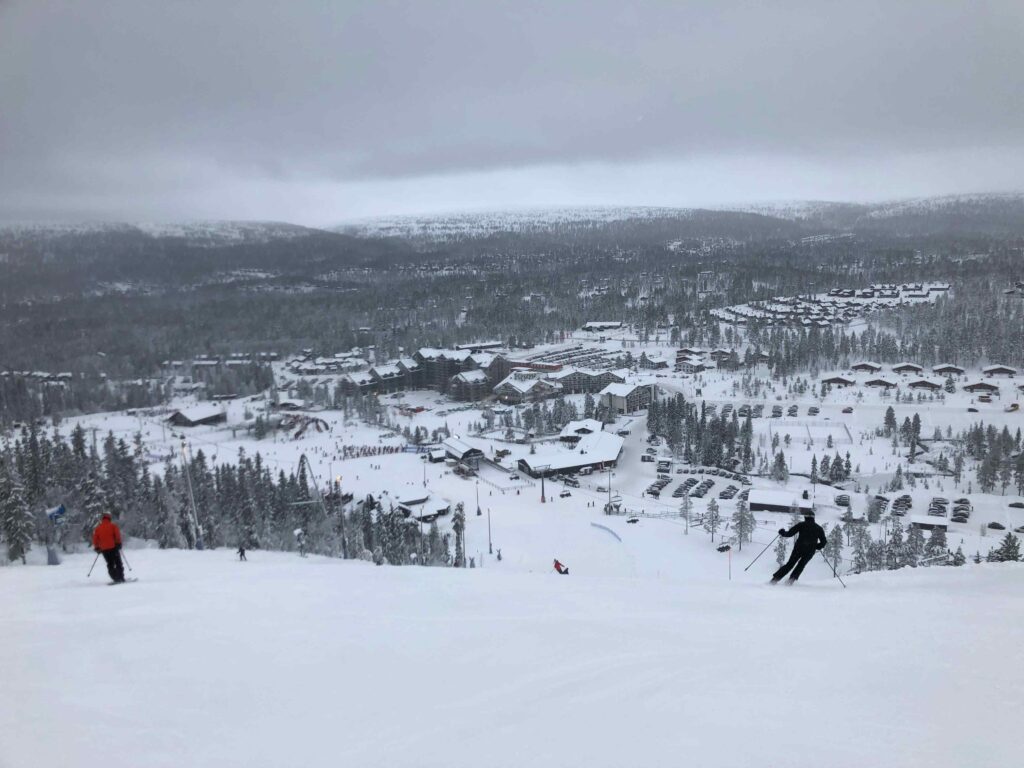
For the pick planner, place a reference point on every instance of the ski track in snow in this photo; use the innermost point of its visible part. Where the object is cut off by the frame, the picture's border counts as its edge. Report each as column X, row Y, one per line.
column 314, row 662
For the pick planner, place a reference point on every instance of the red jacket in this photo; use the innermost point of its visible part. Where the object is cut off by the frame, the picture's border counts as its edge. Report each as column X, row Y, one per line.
column 106, row 536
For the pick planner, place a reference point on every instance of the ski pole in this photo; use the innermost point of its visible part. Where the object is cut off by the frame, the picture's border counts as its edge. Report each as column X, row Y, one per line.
column 125, row 560
column 834, row 572
column 760, row 553
column 93, row 565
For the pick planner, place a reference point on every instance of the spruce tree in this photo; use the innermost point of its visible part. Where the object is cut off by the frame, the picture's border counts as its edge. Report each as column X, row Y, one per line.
column 16, row 521
column 712, row 518
column 780, row 551
column 459, row 529
column 1009, row 549
column 743, row 522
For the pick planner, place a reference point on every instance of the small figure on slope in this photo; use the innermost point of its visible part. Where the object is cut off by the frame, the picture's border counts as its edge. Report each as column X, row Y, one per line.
column 106, row 540
column 241, row 552
column 561, row 568
column 810, row 538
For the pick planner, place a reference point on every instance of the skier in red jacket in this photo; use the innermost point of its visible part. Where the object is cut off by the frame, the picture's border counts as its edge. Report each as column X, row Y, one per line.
column 561, row 568
column 106, row 540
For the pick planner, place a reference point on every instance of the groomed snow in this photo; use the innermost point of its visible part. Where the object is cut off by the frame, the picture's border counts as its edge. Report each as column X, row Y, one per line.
column 284, row 661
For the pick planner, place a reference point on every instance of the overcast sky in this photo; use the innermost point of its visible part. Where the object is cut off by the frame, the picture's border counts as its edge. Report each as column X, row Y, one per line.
column 323, row 112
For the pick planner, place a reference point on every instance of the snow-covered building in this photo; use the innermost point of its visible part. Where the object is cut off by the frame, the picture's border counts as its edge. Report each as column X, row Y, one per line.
column 999, row 370
column 906, row 368
column 767, row 500
column 597, row 450
column 838, row 381
column 469, row 385
column 197, row 415
column 866, row 366
column 627, row 398
column 575, row 430
column 462, row 452
column 523, row 386
column 925, row 384
column 981, row 386
column 880, row 383
column 948, row 369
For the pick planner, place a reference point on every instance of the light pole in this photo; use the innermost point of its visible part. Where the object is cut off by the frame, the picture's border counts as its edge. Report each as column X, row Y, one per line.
column 490, row 546
column 478, row 512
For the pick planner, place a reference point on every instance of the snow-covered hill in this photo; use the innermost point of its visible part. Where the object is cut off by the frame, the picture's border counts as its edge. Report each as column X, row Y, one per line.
column 457, row 225
column 199, row 233
column 281, row 661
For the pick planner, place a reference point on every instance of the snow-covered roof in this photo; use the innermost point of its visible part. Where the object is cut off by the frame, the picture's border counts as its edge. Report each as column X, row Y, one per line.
column 867, row 364
column 359, row 377
column 483, row 359
column 944, row 366
column 458, row 448
column 595, row 448
column 581, row 427
column 390, row 369
column 768, row 497
column 523, row 385
column 432, row 353
column 201, row 412
column 621, row 389
column 997, row 368
column 471, row 377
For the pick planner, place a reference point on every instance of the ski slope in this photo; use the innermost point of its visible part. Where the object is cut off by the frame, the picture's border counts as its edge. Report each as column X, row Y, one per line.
column 286, row 661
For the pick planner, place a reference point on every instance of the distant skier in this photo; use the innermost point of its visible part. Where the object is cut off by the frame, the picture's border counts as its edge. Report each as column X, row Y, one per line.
column 561, row 568
column 106, row 540
column 810, row 538
column 241, row 552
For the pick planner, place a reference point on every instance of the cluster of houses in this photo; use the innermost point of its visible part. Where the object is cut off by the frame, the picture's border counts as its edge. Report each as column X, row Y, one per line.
column 912, row 376
column 43, row 376
column 839, row 307
column 473, row 372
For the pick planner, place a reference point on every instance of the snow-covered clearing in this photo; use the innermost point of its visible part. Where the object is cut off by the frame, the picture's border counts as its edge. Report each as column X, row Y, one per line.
column 287, row 661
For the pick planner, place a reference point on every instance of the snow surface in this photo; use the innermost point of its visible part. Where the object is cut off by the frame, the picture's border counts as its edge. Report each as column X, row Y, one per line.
column 285, row 661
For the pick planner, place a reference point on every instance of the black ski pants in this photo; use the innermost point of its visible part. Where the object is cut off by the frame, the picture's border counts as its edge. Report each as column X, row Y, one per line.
column 800, row 558
column 115, row 566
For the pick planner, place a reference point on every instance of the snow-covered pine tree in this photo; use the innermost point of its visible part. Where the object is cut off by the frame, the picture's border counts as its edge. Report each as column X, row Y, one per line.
column 1008, row 550
column 743, row 522
column 834, row 547
column 16, row 521
column 894, row 556
column 459, row 528
column 913, row 547
column 780, row 551
column 936, row 543
column 712, row 518
column 958, row 557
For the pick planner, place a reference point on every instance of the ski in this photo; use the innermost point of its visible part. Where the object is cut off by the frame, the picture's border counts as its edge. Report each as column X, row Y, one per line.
column 126, row 581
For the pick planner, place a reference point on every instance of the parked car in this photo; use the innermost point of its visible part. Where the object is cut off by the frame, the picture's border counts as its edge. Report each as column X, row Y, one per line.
column 848, row 409
column 646, row 457
column 972, row 410
column 1017, row 504
column 513, row 476
column 843, row 500
column 997, row 526
column 572, row 482
column 813, row 410
column 564, row 494
column 622, row 432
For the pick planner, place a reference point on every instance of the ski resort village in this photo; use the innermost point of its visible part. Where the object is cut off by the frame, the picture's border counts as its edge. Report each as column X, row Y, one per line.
column 649, row 512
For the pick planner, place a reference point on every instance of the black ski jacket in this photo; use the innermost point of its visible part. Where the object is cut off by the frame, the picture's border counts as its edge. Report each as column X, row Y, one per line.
column 810, row 535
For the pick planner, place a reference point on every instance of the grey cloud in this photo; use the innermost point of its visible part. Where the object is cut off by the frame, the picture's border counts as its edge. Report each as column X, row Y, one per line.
column 151, row 105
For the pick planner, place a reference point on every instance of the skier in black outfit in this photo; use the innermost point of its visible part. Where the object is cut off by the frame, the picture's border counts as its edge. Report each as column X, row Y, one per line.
column 810, row 538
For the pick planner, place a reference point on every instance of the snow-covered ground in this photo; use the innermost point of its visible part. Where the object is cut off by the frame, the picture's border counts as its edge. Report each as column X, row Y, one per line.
column 284, row 661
